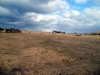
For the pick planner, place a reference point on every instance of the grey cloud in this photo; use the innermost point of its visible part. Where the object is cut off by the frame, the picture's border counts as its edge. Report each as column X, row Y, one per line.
column 35, row 15
column 42, row 1
column 37, row 6
column 13, row 11
column 32, row 24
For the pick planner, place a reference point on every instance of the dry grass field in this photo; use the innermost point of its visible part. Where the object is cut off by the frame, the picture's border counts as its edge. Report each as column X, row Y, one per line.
column 47, row 54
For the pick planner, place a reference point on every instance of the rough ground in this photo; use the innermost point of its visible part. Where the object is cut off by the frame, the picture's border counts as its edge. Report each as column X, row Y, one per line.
column 47, row 54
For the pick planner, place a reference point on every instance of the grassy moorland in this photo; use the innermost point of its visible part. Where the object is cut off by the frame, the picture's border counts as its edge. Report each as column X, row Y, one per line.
column 47, row 54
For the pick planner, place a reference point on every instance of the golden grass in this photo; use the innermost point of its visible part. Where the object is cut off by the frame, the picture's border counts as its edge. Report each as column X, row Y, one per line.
column 47, row 54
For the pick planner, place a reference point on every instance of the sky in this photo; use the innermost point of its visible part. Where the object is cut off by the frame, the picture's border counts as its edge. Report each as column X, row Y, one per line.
column 70, row 16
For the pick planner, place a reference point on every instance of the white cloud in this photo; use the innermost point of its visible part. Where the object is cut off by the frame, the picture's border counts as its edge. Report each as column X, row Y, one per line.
column 75, row 13
column 80, row 21
column 71, row 13
column 43, row 22
column 51, row 22
column 66, row 14
column 81, row 1
column 41, row 17
column 93, row 12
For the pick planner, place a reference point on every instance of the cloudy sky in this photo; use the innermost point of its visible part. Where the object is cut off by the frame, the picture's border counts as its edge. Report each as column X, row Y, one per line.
column 47, row 15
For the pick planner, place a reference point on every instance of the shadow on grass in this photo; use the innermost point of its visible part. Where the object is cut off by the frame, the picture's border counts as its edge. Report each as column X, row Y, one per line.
column 2, row 71
column 97, row 72
column 12, row 72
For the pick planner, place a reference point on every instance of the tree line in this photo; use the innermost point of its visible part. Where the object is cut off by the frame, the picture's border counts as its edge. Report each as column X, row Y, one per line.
column 10, row 30
column 54, row 31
